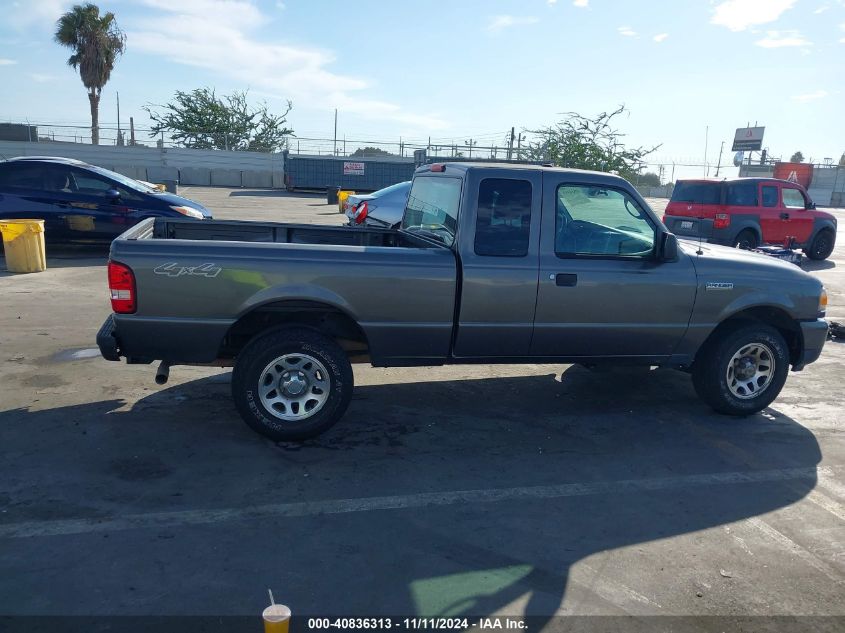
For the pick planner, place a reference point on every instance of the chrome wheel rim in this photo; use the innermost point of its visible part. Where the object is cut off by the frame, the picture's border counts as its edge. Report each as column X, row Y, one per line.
column 750, row 371
column 294, row 387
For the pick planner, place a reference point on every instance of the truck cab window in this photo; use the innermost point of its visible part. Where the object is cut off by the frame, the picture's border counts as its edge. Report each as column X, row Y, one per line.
column 598, row 221
column 432, row 207
column 504, row 218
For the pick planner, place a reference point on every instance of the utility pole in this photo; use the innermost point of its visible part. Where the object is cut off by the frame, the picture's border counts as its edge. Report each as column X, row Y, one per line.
column 510, row 145
column 131, row 131
column 719, row 164
column 706, row 137
column 119, row 139
column 519, row 146
column 470, row 142
column 335, row 131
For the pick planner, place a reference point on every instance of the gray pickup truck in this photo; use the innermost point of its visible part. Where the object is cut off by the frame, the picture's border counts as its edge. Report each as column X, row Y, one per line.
column 492, row 264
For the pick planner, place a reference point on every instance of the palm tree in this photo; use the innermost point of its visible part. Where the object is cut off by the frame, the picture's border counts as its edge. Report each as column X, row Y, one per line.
column 96, row 42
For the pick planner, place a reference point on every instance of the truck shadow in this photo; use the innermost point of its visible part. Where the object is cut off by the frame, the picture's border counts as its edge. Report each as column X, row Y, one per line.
column 184, row 448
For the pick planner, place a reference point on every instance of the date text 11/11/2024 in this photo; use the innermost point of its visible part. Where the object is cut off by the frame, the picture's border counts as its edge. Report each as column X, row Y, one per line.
column 461, row 624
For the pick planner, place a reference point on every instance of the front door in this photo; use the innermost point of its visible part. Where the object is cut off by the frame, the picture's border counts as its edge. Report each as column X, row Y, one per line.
column 795, row 207
column 499, row 263
column 601, row 291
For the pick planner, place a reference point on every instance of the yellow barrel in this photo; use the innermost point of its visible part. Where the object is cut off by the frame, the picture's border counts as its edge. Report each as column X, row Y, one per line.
column 341, row 198
column 23, row 241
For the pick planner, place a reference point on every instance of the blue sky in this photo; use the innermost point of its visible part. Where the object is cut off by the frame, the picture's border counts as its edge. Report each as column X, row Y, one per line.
column 465, row 69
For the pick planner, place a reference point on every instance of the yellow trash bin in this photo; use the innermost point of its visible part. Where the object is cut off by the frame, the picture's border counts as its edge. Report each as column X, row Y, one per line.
column 23, row 241
column 341, row 198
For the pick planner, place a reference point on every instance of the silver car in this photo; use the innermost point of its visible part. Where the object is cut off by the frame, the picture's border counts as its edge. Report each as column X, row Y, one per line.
column 382, row 208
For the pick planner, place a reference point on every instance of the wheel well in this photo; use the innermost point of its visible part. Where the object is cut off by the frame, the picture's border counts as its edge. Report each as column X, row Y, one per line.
column 774, row 317
column 314, row 315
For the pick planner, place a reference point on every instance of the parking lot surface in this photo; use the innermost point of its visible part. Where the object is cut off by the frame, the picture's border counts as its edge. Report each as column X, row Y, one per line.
column 482, row 490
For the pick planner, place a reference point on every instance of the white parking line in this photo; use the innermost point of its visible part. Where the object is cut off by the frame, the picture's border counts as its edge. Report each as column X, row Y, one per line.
column 794, row 548
column 154, row 520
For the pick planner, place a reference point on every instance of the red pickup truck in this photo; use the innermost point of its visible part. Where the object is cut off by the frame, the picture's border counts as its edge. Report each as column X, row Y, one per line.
column 748, row 212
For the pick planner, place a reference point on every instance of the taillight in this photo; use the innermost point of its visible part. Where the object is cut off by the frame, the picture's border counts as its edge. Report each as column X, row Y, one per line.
column 360, row 213
column 722, row 221
column 121, row 288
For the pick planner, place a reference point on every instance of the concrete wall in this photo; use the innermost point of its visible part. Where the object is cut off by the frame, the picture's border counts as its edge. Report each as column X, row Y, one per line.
column 189, row 166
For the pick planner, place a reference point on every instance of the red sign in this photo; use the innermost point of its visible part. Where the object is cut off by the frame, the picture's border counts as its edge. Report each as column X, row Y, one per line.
column 802, row 173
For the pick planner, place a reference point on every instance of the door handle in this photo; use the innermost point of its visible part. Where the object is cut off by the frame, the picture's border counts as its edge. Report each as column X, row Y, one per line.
column 784, row 216
column 566, row 279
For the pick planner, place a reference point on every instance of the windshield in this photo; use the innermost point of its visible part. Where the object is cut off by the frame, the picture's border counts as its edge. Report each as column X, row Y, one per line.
column 400, row 187
column 130, row 183
column 433, row 207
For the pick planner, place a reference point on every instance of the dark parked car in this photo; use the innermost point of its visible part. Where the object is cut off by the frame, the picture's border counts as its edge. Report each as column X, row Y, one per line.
column 83, row 203
column 382, row 208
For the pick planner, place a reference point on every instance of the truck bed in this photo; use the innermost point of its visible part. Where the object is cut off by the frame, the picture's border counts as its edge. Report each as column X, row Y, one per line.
column 241, row 231
column 196, row 279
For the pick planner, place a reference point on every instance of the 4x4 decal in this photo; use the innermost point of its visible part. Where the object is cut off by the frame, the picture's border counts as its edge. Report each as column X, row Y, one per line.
column 173, row 269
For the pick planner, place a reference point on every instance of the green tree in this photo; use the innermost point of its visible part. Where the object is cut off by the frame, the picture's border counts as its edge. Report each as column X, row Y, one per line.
column 201, row 120
column 842, row 160
column 96, row 42
column 361, row 152
column 581, row 142
column 797, row 157
column 649, row 179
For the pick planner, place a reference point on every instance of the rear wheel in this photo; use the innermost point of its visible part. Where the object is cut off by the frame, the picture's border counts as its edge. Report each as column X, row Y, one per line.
column 746, row 239
column 822, row 245
column 742, row 370
column 292, row 384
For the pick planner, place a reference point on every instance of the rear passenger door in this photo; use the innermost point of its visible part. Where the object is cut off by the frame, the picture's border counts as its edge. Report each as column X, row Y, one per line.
column 499, row 255
column 24, row 194
column 774, row 220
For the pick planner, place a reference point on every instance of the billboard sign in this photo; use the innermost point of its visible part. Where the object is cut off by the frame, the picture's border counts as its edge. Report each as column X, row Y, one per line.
column 353, row 169
column 748, row 139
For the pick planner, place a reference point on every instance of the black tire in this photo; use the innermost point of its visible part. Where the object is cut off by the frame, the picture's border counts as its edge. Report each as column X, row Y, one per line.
column 255, row 359
column 822, row 245
column 710, row 370
column 746, row 239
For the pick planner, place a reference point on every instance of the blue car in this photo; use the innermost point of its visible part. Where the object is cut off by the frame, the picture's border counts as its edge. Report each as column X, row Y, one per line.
column 82, row 203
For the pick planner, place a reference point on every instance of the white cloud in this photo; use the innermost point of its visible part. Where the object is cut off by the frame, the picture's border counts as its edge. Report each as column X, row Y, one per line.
column 581, row 4
column 7, row 62
column 220, row 36
column 818, row 94
column 41, row 14
column 738, row 15
column 551, row 3
column 781, row 39
column 42, row 78
column 627, row 31
column 280, row 4
column 500, row 22
column 660, row 37
column 821, row 9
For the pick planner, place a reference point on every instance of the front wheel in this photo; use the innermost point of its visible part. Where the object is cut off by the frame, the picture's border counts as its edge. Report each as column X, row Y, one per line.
column 742, row 370
column 292, row 384
column 822, row 245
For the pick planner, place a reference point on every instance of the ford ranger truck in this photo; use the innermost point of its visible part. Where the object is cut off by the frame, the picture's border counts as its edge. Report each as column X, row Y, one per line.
column 492, row 263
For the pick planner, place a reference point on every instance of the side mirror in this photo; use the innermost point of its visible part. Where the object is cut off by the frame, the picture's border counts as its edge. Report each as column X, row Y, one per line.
column 112, row 194
column 668, row 247
column 811, row 205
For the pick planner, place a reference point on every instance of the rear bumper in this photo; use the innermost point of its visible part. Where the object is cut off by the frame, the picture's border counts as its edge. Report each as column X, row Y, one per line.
column 698, row 228
column 814, row 335
column 107, row 341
